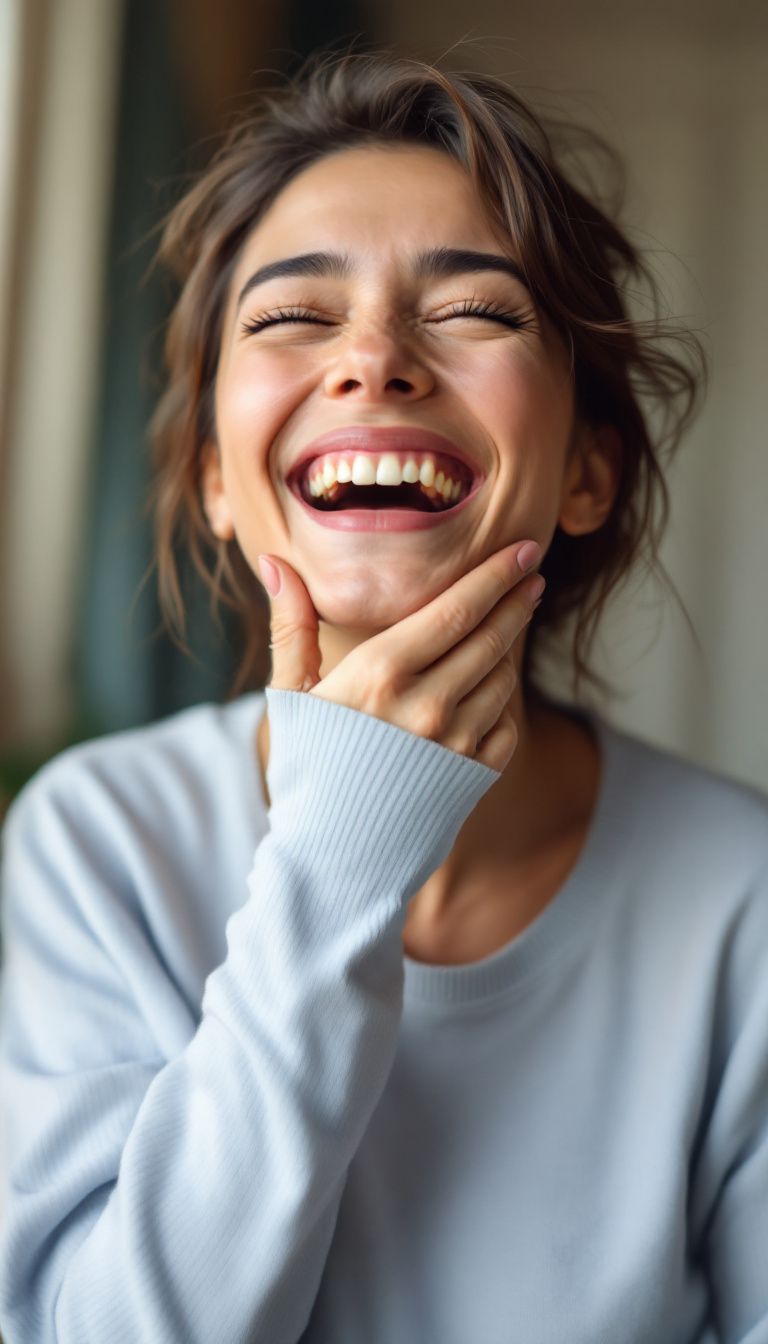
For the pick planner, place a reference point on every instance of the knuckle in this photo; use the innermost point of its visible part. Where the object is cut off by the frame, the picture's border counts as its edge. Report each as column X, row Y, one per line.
column 382, row 673
column 465, row 743
column 378, row 684
column 430, row 717
column 379, row 667
column 494, row 641
column 376, row 702
column 454, row 619
column 500, row 750
column 500, row 696
column 501, row 574
column 282, row 636
column 509, row 671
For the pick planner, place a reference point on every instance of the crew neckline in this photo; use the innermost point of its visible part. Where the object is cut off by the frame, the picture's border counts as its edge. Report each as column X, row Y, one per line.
column 560, row 928
column 562, row 925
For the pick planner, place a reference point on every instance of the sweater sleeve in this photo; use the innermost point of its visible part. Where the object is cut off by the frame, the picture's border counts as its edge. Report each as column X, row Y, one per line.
column 194, row 1199
column 729, row 1203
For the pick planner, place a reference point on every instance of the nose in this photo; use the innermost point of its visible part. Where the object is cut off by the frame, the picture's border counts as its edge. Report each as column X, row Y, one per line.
column 375, row 365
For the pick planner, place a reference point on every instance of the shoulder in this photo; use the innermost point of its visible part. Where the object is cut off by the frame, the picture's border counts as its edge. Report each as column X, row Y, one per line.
column 135, row 817
column 146, row 770
column 135, row 845
column 694, row 847
column 685, row 801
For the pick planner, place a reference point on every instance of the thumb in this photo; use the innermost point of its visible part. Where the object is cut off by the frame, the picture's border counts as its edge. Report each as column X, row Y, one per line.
column 293, row 627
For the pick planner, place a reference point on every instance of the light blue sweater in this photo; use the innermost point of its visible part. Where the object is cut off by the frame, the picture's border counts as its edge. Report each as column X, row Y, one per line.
column 234, row 1113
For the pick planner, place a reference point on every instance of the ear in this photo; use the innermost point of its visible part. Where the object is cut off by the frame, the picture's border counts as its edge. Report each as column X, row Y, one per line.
column 214, row 497
column 591, row 480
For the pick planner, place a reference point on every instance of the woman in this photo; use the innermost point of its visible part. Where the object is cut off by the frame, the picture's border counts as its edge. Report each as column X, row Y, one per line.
column 396, row 1002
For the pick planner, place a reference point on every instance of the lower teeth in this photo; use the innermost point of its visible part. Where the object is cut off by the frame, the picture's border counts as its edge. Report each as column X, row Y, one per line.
column 428, row 500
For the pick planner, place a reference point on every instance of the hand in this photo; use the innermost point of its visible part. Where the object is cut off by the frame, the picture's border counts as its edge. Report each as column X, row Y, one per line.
column 445, row 672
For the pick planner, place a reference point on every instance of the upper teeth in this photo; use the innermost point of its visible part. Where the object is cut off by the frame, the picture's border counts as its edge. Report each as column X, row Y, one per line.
column 386, row 469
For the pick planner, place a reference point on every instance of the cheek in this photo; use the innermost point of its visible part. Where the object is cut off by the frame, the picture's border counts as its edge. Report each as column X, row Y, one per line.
column 525, row 403
column 253, row 397
column 522, row 400
column 242, row 404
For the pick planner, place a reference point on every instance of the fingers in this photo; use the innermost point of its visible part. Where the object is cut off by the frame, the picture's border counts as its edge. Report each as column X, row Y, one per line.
column 296, row 656
column 499, row 745
column 456, row 674
column 478, row 714
column 427, row 634
column 444, row 672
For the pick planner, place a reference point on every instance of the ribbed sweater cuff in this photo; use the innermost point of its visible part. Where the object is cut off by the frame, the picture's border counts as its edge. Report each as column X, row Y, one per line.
column 361, row 793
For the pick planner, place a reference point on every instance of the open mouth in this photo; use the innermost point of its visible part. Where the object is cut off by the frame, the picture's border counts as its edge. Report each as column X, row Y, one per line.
column 350, row 496
column 434, row 487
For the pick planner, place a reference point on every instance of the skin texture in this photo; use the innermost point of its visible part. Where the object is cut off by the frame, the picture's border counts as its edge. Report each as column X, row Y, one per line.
column 504, row 394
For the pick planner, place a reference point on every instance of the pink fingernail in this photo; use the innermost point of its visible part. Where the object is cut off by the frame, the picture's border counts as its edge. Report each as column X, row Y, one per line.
column 270, row 575
column 529, row 555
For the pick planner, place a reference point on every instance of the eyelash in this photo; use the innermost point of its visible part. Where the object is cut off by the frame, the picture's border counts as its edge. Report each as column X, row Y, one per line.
column 468, row 309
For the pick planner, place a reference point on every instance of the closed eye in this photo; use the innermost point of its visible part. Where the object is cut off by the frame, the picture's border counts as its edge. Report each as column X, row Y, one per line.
column 467, row 309
column 489, row 310
column 282, row 315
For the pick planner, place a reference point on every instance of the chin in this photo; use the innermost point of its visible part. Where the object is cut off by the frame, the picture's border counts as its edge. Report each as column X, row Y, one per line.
column 365, row 618
column 366, row 598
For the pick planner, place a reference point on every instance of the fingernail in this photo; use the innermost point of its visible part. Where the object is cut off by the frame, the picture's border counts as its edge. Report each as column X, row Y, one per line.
column 270, row 575
column 529, row 555
column 537, row 587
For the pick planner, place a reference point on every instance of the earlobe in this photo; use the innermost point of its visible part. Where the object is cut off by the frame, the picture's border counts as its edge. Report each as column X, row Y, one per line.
column 213, row 495
column 591, row 481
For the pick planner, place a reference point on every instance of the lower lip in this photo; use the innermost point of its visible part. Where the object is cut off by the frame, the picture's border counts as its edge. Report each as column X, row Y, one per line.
column 384, row 520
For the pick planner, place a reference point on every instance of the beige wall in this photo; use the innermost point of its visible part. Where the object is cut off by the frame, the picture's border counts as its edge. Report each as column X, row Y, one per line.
column 682, row 92
column 58, row 183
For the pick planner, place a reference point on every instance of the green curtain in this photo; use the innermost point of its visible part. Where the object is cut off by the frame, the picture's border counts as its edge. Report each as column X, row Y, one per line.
column 128, row 671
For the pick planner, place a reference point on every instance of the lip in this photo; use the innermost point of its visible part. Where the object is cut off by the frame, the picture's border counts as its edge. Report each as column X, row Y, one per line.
column 380, row 439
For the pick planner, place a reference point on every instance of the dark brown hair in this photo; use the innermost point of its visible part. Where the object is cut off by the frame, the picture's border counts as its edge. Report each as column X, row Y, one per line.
column 575, row 258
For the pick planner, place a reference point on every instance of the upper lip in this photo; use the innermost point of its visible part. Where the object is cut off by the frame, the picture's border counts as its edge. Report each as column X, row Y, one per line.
column 380, row 439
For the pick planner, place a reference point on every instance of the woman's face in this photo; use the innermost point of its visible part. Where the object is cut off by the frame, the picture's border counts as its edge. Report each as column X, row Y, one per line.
column 389, row 348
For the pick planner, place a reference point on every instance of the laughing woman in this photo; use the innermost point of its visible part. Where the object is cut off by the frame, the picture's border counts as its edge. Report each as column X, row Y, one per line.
column 396, row 1001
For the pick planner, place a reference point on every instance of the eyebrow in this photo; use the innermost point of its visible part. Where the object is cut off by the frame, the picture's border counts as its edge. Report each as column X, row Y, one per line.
column 434, row 264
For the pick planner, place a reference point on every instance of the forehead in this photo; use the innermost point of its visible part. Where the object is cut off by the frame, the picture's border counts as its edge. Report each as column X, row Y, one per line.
column 379, row 200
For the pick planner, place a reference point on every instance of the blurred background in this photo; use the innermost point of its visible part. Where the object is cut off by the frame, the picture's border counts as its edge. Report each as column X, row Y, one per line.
column 107, row 105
